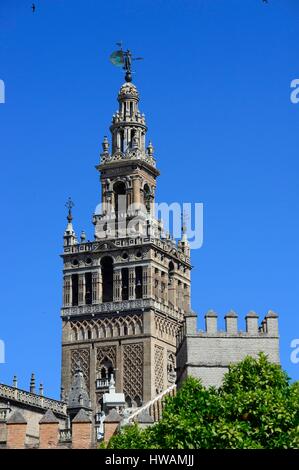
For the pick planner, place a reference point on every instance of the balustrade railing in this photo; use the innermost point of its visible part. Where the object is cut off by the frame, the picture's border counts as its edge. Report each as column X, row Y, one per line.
column 102, row 383
column 65, row 435
column 16, row 394
column 121, row 306
column 154, row 406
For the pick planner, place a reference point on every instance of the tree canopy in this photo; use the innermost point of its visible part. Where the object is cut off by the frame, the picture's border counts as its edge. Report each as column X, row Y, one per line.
column 256, row 407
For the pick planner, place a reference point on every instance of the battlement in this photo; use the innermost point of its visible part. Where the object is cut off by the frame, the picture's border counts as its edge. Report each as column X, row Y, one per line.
column 207, row 354
column 268, row 326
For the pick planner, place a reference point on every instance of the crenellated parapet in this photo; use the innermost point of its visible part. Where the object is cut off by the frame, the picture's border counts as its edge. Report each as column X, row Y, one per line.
column 207, row 353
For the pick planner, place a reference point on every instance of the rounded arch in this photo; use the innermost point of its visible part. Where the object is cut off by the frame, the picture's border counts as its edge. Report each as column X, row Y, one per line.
column 120, row 198
column 147, row 195
column 107, row 278
column 137, row 401
column 128, row 402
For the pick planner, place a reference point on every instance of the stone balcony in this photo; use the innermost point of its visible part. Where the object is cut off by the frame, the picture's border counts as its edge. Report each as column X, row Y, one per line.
column 102, row 383
column 121, row 306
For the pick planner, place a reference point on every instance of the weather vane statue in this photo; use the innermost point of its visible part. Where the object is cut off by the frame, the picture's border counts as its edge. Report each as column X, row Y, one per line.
column 121, row 58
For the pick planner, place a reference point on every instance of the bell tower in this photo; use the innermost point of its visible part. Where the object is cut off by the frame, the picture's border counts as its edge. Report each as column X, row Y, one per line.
column 126, row 292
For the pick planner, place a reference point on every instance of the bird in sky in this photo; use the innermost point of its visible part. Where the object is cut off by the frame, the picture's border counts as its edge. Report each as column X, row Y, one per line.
column 265, row 1
column 33, row 7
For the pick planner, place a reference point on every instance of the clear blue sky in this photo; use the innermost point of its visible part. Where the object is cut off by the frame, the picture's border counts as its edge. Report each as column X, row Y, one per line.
column 215, row 88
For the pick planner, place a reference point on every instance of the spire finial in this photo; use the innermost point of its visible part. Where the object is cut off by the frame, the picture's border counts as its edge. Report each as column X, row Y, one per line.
column 32, row 383
column 69, row 205
column 121, row 58
column 112, row 384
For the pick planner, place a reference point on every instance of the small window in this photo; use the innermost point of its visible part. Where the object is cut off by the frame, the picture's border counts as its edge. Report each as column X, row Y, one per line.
column 107, row 277
column 138, row 286
column 74, row 289
column 125, row 283
column 88, row 288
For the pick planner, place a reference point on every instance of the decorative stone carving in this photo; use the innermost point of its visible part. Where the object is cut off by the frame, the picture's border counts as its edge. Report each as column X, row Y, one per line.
column 107, row 327
column 166, row 326
column 159, row 369
column 82, row 357
column 171, row 373
column 104, row 352
column 133, row 372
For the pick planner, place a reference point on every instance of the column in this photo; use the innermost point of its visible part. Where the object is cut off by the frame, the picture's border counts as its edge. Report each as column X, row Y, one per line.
column 67, row 291
column 117, row 285
column 186, row 298
column 164, row 288
column 97, row 287
column 131, row 283
column 136, row 190
column 150, row 282
column 81, row 289
column 172, row 292
column 145, row 275
column 179, row 300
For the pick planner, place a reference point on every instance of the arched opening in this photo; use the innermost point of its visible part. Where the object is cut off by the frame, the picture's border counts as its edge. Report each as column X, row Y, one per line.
column 122, row 141
column 129, row 402
column 120, row 203
column 138, row 286
column 88, row 288
column 170, row 272
column 137, row 402
column 147, row 197
column 106, row 369
column 133, row 135
column 74, row 289
column 107, row 278
column 125, row 283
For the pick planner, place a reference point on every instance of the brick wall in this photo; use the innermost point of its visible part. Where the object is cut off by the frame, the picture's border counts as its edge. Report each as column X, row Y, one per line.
column 82, row 436
column 16, row 435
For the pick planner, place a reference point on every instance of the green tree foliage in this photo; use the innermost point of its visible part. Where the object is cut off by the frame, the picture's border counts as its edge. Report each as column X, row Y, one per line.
column 256, row 407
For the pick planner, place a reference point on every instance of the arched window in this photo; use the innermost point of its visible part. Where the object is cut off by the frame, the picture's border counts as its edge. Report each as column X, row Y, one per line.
column 106, row 369
column 107, row 278
column 103, row 373
column 147, row 197
column 110, row 372
column 125, row 283
column 88, row 288
column 138, row 280
column 129, row 402
column 120, row 202
column 74, row 289
column 137, row 401
column 170, row 272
